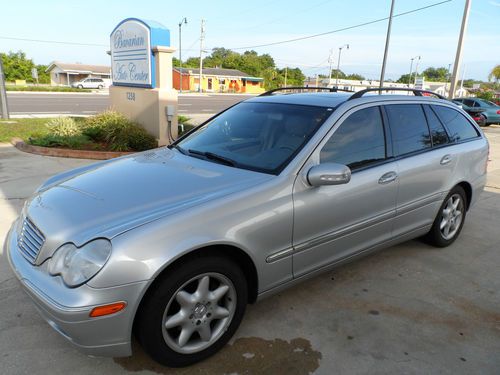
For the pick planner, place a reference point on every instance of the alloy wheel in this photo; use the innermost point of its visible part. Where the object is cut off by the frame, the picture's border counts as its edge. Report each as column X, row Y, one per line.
column 451, row 216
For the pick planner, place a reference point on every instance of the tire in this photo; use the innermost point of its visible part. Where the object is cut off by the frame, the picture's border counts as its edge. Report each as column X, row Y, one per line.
column 99, row 87
column 80, row 87
column 182, row 295
column 438, row 235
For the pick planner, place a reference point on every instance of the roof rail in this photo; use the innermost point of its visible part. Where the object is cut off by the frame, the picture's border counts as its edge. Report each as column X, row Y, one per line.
column 415, row 92
column 303, row 88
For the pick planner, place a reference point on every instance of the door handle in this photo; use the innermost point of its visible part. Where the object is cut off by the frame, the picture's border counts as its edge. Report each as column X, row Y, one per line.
column 388, row 177
column 445, row 159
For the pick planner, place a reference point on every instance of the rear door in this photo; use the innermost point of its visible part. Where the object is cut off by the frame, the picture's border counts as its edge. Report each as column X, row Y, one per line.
column 425, row 164
column 335, row 222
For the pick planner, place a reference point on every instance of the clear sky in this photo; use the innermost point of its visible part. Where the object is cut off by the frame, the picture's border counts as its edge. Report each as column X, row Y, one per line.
column 431, row 33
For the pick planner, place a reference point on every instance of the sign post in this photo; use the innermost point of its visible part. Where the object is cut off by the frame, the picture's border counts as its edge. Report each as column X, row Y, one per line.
column 3, row 95
column 141, row 68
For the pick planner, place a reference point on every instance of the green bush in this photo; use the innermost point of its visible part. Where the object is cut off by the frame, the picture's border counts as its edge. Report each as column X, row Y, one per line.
column 63, row 126
column 45, row 88
column 69, row 141
column 119, row 132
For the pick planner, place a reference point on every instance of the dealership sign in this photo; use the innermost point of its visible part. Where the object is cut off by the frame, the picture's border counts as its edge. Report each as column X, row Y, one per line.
column 132, row 60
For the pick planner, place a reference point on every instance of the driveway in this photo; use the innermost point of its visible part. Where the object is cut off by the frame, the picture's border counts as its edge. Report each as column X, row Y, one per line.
column 409, row 309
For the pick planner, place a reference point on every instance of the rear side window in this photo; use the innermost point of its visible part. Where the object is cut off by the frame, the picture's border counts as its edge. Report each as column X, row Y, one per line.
column 459, row 128
column 358, row 142
column 408, row 128
column 438, row 133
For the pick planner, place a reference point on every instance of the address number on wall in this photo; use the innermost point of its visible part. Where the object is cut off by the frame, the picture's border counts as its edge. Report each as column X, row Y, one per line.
column 131, row 96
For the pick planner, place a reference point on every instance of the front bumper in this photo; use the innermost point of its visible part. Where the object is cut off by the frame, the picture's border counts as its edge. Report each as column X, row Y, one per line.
column 67, row 309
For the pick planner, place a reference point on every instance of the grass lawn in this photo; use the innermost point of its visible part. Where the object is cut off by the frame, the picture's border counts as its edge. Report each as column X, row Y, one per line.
column 22, row 128
column 45, row 88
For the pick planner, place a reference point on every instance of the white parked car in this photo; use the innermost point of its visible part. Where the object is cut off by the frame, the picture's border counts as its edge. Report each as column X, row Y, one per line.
column 90, row 83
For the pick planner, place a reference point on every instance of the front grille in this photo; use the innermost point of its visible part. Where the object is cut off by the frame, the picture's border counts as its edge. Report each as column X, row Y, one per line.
column 30, row 240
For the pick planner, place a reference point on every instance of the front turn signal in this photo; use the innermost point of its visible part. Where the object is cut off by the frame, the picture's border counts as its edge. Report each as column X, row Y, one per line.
column 107, row 309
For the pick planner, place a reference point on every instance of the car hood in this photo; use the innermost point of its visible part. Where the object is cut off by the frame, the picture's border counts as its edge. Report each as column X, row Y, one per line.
column 122, row 194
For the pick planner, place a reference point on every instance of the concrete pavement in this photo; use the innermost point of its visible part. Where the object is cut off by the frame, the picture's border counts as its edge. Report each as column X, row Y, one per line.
column 409, row 309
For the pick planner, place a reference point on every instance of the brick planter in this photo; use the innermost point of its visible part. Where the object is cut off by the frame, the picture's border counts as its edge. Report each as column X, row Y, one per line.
column 66, row 153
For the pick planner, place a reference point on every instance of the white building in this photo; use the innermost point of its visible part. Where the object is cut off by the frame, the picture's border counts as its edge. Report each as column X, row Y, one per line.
column 63, row 74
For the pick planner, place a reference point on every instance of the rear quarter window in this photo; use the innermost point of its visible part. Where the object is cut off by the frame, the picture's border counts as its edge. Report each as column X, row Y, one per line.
column 459, row 128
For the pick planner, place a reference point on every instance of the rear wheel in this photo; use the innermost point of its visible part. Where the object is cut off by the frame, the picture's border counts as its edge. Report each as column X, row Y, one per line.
column 99, row 87
column 193, row 311
column 449, row 220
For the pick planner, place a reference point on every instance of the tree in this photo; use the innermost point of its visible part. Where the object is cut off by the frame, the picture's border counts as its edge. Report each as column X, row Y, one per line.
column 436, row 74
column 495, row 74
column 355, row 77
column 405, row 79
column 18, row 66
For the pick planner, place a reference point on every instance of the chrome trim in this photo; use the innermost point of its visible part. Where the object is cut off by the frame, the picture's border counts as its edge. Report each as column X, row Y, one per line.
column 279, row 255
column 389, row 215
column 30, row 241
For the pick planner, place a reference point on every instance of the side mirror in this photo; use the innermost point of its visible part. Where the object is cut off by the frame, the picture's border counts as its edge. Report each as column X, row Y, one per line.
column 329, row 174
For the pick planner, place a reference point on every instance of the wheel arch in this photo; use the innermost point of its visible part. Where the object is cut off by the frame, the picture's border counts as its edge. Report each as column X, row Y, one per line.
column 468, row 192
column 234, row 253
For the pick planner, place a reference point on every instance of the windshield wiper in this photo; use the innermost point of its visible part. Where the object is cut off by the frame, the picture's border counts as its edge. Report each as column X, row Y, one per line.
column 214, row 157
column 179, row 148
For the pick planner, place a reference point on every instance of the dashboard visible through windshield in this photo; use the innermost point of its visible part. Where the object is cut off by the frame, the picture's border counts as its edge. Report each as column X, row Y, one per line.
column 258, row 136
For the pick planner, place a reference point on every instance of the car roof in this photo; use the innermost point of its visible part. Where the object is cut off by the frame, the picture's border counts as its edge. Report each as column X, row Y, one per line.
column 334, row 99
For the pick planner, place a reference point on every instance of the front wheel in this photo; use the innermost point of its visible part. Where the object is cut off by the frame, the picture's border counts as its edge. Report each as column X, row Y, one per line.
column 449, row 220
column 192, row 311
column 80, row 87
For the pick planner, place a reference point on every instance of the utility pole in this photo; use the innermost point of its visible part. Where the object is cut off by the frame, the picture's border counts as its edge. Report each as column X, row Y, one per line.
column 3, row 94
column 416, row 72
column 447, row 78
column 387, row 39
column 202, row 37
column 338, row 65
column 183, row 21
column 458, row 57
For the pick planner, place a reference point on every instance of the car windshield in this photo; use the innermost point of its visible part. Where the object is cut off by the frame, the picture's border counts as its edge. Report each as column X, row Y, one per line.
column 258, row 136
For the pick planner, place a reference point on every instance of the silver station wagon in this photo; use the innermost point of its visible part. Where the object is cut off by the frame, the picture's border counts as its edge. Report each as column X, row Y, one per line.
column 171, row 244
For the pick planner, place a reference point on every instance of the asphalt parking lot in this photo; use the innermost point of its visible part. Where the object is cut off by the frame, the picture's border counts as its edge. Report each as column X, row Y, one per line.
column 410, row 309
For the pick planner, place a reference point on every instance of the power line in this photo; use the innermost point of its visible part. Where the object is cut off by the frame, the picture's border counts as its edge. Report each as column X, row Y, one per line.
column 342, row 29
column 55, row 42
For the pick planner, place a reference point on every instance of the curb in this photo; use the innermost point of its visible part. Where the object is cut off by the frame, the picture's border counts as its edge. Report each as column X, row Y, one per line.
column 66, row 153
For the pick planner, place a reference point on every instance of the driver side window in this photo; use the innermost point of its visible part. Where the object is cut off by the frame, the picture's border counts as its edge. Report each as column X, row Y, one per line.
column 358, row 142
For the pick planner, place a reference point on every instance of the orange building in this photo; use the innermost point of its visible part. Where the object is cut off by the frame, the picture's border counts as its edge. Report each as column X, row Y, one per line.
column 217, row 80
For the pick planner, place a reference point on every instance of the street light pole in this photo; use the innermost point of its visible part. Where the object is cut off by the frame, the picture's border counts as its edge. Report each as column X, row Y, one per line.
column 3, row 94
column 458, row 56
column 411, row 69
column 338, row 65
column 183, row 21
column 202, row 37
column 387, row 39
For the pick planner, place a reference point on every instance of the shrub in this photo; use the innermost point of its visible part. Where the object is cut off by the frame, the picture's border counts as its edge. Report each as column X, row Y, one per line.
column 68, row 141
column 63, row 126
column 119, row 132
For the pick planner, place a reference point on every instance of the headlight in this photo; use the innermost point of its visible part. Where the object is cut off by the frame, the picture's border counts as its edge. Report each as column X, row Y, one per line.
column 78, row 265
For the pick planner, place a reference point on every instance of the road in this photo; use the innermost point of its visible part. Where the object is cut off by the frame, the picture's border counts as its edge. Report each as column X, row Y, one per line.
column 88, row 104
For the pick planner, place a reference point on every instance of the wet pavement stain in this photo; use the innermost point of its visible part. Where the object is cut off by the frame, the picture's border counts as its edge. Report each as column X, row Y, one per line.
column 246, row 356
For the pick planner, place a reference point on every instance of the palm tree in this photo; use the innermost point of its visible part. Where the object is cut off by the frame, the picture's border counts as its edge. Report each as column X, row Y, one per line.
column 495, row 74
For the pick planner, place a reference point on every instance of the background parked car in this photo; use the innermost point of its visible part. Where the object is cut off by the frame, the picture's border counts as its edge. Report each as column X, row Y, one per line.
column 491, row 110
column 475, row 113
column 90, row 83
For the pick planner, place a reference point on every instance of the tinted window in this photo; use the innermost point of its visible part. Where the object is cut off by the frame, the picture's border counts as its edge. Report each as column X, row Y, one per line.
column 359, row 140
column 257, row 136
column 408, row 128
column 469, row 103
column 458, row 127
column 438, row 133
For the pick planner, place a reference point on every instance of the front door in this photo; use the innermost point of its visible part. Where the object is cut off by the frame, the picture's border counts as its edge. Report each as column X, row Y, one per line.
column 334, row 222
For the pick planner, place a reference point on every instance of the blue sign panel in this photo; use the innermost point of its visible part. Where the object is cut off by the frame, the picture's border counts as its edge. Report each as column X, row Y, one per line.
column 132, row 61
